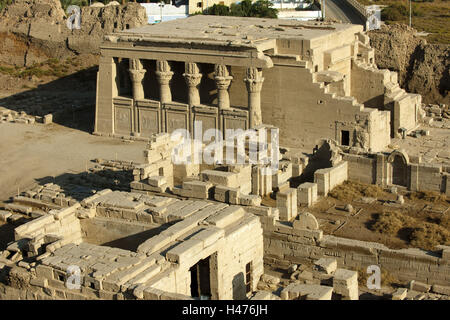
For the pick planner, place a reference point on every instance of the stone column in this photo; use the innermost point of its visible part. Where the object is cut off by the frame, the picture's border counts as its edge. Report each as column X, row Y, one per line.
column 192, row 77
column 106, row 91
column 223, row 80
column 164, row 75
column 254, row 81
column 137, row 73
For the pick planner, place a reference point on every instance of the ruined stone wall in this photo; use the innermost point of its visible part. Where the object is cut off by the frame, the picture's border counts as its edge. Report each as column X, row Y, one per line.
column 229, row 255
column 428, row 177
column 293, row 101
column 361, row 168
column 63, row 223
column 367, row 86
column 328, row 178
column 115, row 232
column 21, row 285
column 284, row 245
column 372, row 169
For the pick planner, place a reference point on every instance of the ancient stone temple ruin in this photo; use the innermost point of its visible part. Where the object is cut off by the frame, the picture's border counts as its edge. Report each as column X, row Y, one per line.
column 157, row 229
column 311, row 79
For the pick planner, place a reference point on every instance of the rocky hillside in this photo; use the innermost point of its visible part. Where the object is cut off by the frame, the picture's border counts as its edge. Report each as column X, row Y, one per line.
column 423, row 68
column 32, row 31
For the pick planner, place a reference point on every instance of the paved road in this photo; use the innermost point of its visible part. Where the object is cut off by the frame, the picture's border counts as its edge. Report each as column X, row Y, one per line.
column 340, row 10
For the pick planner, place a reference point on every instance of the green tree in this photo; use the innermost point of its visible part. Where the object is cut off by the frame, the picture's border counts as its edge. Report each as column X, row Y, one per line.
column 263, row 9
column 4, row 3
column 245, row 8
column 218, row 10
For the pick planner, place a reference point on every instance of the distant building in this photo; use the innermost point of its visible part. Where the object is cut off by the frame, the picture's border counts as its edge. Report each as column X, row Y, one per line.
column 178, row 9
column 289, row 4
column 374, row 17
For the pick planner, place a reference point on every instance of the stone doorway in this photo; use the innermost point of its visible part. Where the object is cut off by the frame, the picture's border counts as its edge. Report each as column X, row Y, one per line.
column 399, row 170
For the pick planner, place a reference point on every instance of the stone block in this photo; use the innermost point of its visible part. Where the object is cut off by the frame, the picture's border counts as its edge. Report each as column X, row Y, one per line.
column 441, row 289
column 157, row 181
column 306, row 221
column 419, row 286
column 400, row 294
column 226, row 216
column 223, row 178
column 250, row 200
column 4, row 215
column 287, row 204
column 345, row 283
column 209, row 236
column 327, row 265
column 48, row 118
column 183, row 252
column 307, row 194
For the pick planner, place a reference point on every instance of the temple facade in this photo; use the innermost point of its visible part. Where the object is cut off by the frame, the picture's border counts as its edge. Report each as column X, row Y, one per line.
column 313, row 80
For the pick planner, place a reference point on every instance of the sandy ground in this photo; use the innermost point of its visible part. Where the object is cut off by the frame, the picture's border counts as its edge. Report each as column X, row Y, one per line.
column 434, row 148
column 29, row 153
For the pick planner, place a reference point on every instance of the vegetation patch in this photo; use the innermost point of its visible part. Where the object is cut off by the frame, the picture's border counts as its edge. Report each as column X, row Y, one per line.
column 51, row 68
column 431, row 16
column 387, row 279
column 428, row 196
column 425, row 235
column 245, row 8
column 352, row 190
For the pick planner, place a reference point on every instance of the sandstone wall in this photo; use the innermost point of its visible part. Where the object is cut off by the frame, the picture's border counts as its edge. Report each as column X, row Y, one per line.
column 63, row 224
column 229, row 255
column 375, row 169
column 284, row 245
column 292, row 101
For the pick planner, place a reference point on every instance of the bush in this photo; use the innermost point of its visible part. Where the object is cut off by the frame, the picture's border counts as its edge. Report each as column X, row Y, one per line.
column 4, row 3
column 429, row 235
column 260, row 9
column 420, row 234
column 217, row 10
column 351, row 190
column 394, row 12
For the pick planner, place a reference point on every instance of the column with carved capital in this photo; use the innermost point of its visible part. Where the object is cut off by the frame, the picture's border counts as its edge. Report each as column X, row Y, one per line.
column 254, row 81
column 193, row 77
column 164, row 75
column 223, row 80
column 137, row 73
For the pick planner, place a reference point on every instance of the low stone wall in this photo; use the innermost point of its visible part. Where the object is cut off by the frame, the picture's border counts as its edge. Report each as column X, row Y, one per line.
column 24, row 287
column 63, row 224
column 378, row 169
column 328, row 178
column 116, row 232
column 361, row 168
column 285, row 245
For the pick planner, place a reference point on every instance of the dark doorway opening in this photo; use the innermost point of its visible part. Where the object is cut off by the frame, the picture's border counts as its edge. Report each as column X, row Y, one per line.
column 345, row 137
column 248, row 277
column 399, row 171
column 200, row 280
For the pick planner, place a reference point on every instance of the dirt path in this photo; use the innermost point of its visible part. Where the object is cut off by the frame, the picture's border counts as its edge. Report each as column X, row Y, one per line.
column 30, row 152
